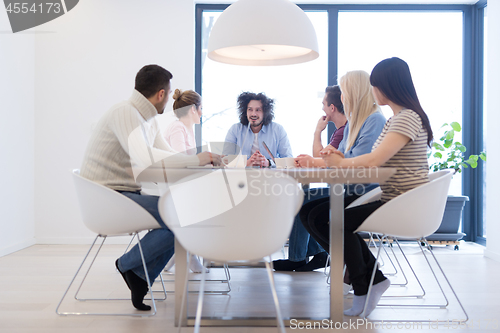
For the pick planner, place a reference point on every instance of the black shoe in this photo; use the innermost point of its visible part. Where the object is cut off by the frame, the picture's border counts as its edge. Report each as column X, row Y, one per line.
column 319, row 261
column 138, row 288
column 287, row 265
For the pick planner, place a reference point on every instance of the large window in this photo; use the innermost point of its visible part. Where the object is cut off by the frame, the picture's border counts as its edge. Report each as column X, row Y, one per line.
column 439, row 42
column 297, row 90
column 432, row 50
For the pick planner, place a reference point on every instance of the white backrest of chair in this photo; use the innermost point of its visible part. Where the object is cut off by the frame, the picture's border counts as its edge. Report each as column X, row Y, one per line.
column 372, row 195
column 107, row 212
column 414, row 214
column 232, row 214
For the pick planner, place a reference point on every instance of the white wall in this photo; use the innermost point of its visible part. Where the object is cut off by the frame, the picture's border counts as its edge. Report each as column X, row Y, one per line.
column 86, row 62
column 17, row 53
column 493, row 87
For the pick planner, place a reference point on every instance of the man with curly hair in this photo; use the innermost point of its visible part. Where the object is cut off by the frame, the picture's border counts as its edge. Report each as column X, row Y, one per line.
column 256, row 112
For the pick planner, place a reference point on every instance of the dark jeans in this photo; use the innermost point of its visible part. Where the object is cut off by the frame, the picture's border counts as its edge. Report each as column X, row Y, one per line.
column 357, row 256
column 300, row 244
column 157, row 244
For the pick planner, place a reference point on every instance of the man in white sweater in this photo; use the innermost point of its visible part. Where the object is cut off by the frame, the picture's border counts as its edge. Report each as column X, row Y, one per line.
column 128, row 138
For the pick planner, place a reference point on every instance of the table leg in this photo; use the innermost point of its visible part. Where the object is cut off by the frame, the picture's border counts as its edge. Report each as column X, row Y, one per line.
column 180, row 283
column 336, row 252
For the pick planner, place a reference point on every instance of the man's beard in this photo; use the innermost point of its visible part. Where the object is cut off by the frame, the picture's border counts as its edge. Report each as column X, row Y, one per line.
column 256, row 125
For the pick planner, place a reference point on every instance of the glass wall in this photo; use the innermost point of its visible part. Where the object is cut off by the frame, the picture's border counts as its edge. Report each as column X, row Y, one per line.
column 432, row 50
column 297, row 89
column 437, row 41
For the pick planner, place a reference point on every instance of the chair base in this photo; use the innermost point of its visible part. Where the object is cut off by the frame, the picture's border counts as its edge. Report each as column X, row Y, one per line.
column 227, row 281
column 142, row 314
column 198, row 318
column 442, row 306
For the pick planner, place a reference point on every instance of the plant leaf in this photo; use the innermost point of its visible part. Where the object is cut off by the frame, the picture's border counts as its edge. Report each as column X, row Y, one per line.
column 456, row 126
column 450, row 134
column 473, row 157
column 438, row 146
column 438, row 155
column 472, row 163
column 460, row 147
column 483, row 156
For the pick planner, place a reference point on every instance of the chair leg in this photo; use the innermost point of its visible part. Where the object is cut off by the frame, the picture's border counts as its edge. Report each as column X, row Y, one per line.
column 445, row 277
column 390, row 260
column 372, row 241
column 363, row 314
column 73, row 279
column 164, row 290
column 403, row 285
column 442, row 306
column 88, row 270
column 279, row 318
column 79, row 287
column 215, row 292
column 184, row 293
column 112, row 299
column 326, row 269
column 395, row 268
column 201, row 293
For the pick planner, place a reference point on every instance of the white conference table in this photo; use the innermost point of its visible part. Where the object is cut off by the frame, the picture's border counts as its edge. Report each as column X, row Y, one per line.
column 336, row 177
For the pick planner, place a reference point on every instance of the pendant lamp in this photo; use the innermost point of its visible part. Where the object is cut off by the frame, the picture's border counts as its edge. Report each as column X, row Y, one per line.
column 263, row 33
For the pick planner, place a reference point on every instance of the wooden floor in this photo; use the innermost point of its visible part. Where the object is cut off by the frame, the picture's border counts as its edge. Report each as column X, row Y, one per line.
column 33, row 280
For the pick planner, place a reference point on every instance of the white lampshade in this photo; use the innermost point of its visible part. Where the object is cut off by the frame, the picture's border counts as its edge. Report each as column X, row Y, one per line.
column 263, row 33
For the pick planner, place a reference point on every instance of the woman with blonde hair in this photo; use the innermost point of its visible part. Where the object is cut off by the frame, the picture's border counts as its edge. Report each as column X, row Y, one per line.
column 180, row 136
column 364, row 125
column 180, row 133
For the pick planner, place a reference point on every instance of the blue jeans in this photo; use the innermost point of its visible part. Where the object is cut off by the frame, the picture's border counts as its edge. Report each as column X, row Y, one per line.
column 157, row 244
column 300, row 244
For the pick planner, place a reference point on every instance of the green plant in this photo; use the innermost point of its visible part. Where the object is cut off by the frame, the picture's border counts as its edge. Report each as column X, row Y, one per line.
column 450, row 154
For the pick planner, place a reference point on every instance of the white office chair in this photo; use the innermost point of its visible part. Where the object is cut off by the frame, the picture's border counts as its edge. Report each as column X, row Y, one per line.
column 232, row 215
column 109, row 213
column 413, row 215
column 375, row 195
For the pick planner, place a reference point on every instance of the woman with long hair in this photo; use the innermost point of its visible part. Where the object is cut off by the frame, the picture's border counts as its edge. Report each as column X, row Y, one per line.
column 402, row 145
column 365, row 123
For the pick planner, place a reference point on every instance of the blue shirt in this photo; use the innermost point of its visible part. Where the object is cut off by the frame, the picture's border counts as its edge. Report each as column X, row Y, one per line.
column 368, row 134
column 273, row 135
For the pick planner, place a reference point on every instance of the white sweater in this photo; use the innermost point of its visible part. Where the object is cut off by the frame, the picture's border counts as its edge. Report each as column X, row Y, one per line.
column 128, row 138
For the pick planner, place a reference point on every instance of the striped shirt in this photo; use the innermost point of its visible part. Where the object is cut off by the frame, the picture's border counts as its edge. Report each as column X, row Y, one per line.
column 411, row 164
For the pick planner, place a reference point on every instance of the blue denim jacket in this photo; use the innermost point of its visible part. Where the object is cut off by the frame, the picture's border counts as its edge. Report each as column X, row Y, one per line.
column 368, row 134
